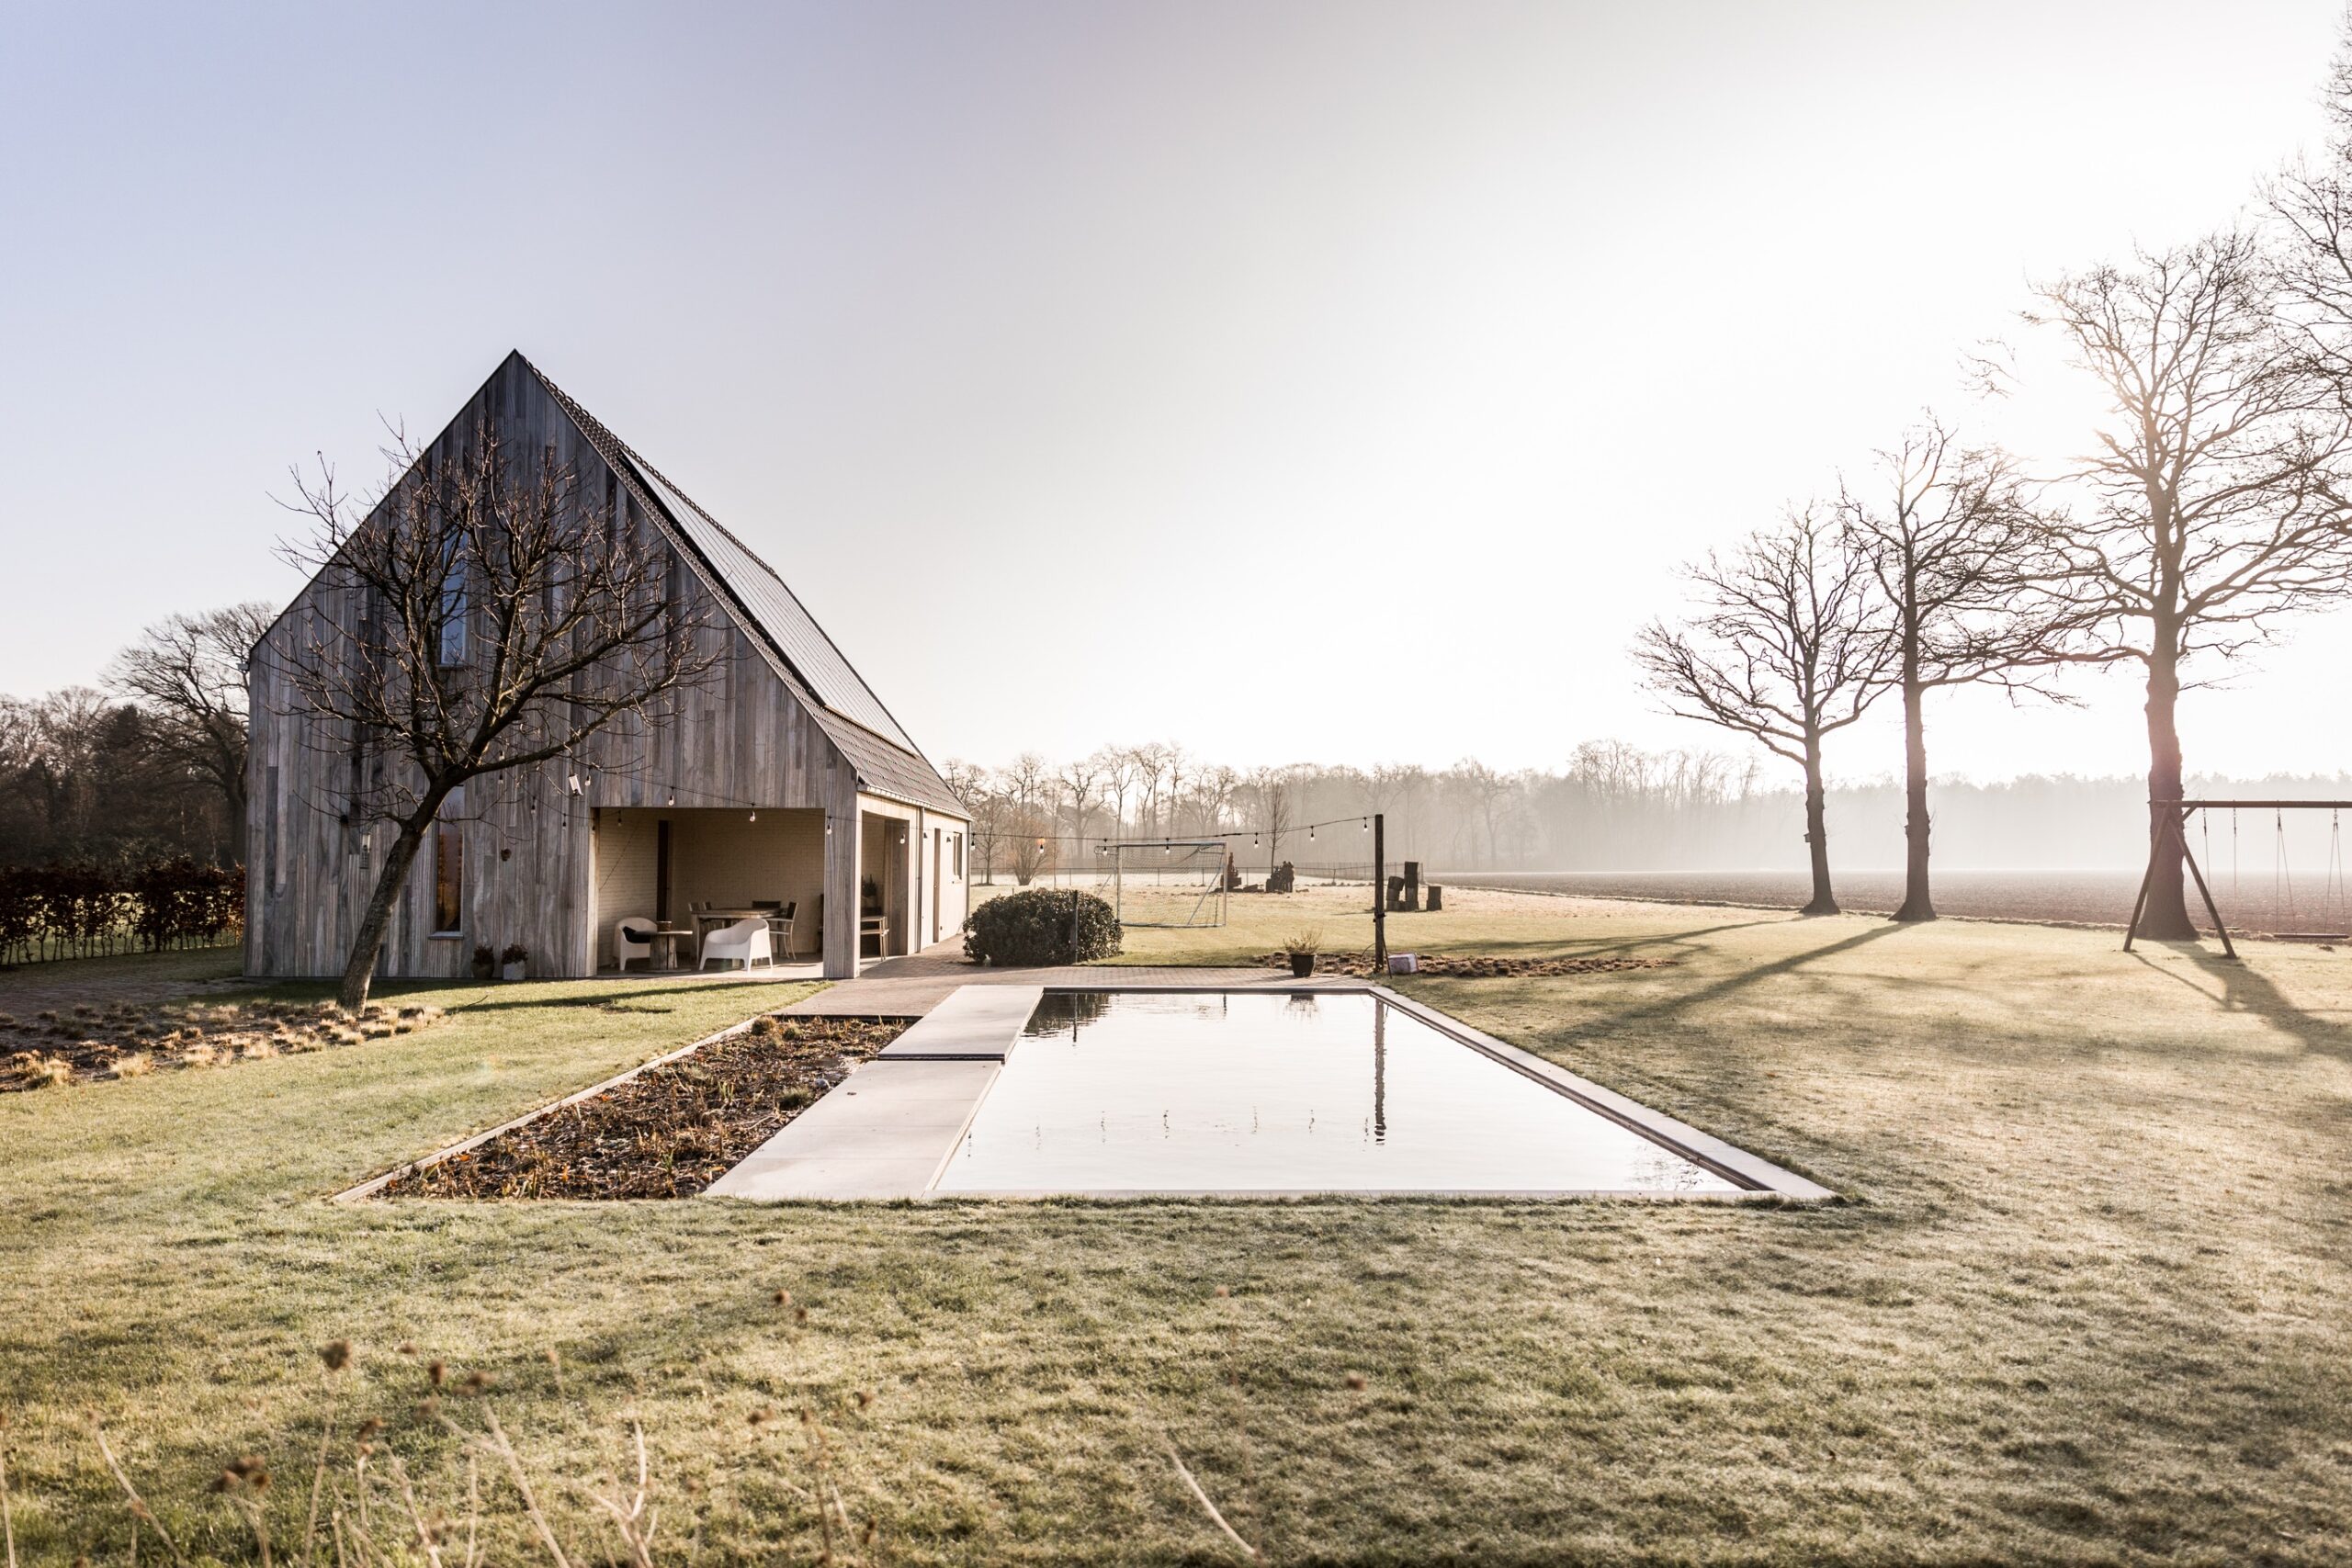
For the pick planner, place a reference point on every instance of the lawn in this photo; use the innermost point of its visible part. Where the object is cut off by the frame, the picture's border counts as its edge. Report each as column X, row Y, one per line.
column 2088, row 1298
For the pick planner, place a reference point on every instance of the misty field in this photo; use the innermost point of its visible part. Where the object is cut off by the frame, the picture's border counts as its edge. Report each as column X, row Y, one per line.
column 2088, row 1297
column 2308, row 899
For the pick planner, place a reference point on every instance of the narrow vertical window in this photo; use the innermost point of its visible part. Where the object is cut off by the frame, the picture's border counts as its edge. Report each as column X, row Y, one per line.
column 453, row 612
column 448, row 874
column 269, row 832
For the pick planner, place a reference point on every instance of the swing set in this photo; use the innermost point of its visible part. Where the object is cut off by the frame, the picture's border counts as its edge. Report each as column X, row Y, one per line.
column 2171, row 827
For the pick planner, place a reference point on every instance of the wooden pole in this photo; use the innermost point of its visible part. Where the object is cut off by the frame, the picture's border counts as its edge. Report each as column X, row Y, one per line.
column 1379, row 893
column 2147, row 879
column 2219, row 929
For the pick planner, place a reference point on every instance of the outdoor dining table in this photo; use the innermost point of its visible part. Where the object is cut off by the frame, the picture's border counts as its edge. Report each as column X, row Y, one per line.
column 664, row 939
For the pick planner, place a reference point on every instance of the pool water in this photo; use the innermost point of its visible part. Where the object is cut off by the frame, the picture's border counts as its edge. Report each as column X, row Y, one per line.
column 1274, row 1092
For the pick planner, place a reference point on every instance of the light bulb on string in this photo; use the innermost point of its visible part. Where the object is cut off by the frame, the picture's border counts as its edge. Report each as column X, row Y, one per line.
column 754, row 817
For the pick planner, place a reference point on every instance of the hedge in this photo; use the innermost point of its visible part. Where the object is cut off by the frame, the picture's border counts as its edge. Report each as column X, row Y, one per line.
column 88, row 912
column 1041, row 926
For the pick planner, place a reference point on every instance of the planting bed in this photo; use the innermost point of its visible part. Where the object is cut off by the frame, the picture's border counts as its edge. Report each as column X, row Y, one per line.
column 1472, row 968
column 127, row 1039
column 670, row 1131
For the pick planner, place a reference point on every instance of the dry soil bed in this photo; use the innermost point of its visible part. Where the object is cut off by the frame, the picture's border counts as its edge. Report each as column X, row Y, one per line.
column 669, row 1132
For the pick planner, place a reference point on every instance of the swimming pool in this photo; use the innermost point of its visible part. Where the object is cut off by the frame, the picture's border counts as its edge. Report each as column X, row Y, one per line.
column 1311, row 1091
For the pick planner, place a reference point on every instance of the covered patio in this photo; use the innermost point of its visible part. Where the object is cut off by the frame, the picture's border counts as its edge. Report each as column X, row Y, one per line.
column 690, row 872
column 700, row 869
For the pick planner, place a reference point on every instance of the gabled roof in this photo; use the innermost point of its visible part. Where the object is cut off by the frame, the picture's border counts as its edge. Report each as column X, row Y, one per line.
column 888, row 763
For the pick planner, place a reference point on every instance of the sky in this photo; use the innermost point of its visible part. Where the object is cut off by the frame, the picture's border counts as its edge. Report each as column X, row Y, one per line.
column 1296, row 382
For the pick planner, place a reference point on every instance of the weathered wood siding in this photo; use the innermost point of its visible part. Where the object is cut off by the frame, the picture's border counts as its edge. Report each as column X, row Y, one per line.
column 743, row 740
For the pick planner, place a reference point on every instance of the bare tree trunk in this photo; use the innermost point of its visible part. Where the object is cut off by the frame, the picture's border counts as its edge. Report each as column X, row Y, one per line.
column 1817, row 832
column 360, row 970
column 234, row 799
column 2167, row 918
column 1917, row 903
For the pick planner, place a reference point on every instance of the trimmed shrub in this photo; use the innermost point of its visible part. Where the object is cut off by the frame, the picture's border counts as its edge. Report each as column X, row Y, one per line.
column 87, row 911
column 1041, row 926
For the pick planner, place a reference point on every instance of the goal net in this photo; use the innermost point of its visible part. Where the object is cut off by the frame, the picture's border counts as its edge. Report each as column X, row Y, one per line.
column 1168, row 882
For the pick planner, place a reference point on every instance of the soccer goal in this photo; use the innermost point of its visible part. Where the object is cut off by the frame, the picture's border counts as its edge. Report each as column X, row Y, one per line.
column 1168, row 882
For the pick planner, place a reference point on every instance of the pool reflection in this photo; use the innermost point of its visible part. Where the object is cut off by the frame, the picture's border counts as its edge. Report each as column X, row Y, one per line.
column 1283, row 1092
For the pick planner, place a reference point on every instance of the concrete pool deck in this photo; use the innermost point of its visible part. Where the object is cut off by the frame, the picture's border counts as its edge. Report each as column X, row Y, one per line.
column 889, row 1131
column 912, row 985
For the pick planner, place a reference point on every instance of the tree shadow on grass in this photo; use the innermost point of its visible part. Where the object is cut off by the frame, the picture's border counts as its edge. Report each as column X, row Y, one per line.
column 2245, row 988
column 1577, row 947
column 1708, row 995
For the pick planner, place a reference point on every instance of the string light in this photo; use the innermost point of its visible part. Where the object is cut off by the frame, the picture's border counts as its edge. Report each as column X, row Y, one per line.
column 754, row 817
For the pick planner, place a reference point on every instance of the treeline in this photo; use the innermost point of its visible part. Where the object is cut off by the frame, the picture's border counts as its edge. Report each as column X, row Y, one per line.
column 83, row 781
column 148, row 771
column 1612, row 807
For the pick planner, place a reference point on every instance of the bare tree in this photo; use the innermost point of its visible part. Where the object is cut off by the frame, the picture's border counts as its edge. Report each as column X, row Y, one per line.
column 1179, row 771
column 1031, row 794
column 1149, row 765
column 2311, row 207
column 1788, row 645
column 2213, row 506
column 1081, row 786
column 1118, row 772
column 189, row 673
column 1484, row 789
column 1270, row 789
column 1213, row 789
column 503, row 622
column 1030, row 846
column 976, row 788
column 1953, row 540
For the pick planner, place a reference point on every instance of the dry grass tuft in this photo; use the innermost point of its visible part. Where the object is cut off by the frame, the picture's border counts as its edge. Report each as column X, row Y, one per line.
column 99, row 1040
column 34, row 1069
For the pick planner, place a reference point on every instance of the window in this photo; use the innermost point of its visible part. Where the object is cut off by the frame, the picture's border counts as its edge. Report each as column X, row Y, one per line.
column 448, row 873
column 453, row 612
column 959, row 856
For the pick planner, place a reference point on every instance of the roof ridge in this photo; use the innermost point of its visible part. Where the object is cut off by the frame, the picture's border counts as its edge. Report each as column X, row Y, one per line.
column 603, row 436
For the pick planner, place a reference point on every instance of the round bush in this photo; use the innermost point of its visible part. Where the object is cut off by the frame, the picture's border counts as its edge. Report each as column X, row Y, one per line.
column 1041, row 926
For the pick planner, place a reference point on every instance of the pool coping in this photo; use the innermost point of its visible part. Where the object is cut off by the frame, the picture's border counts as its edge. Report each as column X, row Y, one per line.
column 854, row 1153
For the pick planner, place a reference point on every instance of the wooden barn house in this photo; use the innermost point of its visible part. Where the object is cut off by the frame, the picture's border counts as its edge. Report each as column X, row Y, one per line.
column 783, row 782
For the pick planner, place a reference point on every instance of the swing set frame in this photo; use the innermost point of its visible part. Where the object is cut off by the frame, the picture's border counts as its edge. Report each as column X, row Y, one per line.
column 2171, row 825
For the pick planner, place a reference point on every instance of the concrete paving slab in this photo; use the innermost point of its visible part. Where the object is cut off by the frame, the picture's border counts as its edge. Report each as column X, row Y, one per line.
column 975, row 1023
column 882, row 1133
column 846, row 1181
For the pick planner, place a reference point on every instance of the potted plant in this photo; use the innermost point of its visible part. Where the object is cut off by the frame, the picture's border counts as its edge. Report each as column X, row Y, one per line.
column 485, row 965
column 1301, row 950
column 512, row 963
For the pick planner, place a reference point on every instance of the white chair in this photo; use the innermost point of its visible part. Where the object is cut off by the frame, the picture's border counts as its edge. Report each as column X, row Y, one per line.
column 624, row 949
column 745, row 940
